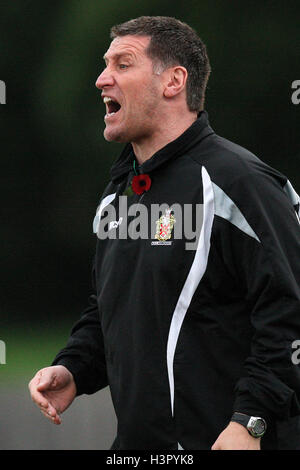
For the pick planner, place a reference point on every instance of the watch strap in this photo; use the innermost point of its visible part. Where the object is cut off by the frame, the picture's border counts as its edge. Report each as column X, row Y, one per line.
column 240, row 418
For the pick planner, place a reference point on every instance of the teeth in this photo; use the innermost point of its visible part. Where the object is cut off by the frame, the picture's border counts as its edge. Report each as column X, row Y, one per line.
column 110, row 110
column 108, row 115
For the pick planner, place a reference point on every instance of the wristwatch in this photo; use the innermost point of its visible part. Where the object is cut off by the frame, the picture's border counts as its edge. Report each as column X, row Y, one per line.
column 255, row 425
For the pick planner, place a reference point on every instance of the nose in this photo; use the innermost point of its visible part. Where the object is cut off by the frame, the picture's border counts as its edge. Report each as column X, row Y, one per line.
column 104, row 79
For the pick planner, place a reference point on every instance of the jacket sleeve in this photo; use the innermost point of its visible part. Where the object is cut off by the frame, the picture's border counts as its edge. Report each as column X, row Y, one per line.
column 268, row 270
column 84, row 353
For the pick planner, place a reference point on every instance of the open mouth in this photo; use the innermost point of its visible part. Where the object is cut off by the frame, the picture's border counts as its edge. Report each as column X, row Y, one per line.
column 112, row 107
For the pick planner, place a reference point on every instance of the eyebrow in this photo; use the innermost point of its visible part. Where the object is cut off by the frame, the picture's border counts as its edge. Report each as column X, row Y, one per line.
column 118, row 56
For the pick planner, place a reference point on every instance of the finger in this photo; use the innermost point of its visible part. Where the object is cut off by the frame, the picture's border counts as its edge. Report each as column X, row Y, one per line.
column 43, row 383
column 38, row 397
column 52, row 415
column 53, row 418
column 52, row 411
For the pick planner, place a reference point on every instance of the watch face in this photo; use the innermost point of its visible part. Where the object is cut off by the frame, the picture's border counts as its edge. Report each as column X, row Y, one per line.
column 257, row 427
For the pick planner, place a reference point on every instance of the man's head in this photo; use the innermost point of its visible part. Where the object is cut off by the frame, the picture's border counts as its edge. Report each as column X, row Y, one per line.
column 152, row 62
column 173, row 43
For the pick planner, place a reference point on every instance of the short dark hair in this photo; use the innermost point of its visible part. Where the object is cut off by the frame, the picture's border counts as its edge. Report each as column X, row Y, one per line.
column 173, row 43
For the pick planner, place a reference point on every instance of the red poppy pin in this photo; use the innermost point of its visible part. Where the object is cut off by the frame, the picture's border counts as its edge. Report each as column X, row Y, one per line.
column 141, row 183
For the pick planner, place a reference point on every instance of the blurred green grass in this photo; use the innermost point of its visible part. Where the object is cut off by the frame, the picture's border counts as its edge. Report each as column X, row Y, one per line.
column 28, row 350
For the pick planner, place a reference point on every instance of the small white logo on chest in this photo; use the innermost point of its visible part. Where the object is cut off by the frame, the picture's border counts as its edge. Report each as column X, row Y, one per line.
column 115, row 223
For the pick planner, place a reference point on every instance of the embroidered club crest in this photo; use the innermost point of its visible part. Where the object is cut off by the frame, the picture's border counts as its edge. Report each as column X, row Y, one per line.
column 164, row 226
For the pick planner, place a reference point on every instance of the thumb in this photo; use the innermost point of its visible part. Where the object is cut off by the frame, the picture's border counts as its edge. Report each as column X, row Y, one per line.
column 47, row 380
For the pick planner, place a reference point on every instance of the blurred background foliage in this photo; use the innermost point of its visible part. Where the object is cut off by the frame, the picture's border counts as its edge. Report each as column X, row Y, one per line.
column 55, row 162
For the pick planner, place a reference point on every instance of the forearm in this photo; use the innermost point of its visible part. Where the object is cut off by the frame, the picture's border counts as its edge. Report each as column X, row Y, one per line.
column 84, row 354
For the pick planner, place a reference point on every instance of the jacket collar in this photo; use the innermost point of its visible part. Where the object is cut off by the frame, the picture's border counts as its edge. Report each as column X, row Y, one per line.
column 194, row 134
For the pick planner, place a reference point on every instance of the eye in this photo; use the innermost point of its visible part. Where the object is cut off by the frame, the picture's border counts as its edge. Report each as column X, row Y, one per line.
column 123, row 66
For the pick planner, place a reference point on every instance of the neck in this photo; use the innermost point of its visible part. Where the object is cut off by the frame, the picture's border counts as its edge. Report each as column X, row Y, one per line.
column 169, row 131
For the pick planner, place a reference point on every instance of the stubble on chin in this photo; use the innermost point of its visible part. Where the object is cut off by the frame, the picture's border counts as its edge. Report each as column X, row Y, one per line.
column 113, row 136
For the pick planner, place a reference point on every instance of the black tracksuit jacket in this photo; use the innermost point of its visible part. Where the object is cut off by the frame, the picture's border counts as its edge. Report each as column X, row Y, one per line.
column 184, row 337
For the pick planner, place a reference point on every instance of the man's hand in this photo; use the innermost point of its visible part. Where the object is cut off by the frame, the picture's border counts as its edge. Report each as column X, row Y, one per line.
column 236, row 437
column 53, row 389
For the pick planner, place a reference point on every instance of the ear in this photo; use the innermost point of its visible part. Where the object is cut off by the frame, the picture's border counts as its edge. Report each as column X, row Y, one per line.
column 175, row 81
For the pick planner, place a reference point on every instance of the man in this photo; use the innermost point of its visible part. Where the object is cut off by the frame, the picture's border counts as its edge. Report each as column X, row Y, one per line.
column 194, row 337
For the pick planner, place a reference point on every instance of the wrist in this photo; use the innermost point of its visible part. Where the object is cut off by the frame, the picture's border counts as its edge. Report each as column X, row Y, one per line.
column 255, row 425
column 240, row 429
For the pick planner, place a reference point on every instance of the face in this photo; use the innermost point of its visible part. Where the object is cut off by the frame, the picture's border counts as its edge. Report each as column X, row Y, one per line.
column 131, row 91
